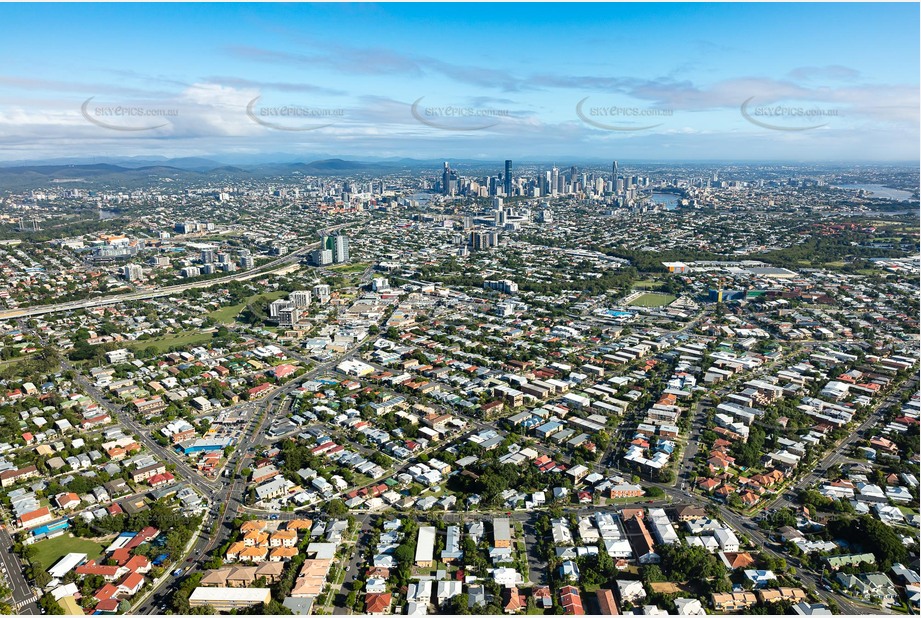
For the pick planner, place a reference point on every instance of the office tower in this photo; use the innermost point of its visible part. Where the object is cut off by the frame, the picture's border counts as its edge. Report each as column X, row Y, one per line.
column 448, row 180
column 340, row 249
column 300, row 298
column 477, row 240
column 508, row 178
column 614, row 173
column 132, row 272
column 321, row 257
column 554, row 180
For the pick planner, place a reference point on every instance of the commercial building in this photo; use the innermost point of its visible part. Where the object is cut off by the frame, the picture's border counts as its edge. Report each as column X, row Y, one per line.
column 425, row 546
column 227, row 599
column 501, row 532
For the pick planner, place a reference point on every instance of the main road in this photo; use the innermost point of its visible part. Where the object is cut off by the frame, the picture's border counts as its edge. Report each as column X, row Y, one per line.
column 227, row 497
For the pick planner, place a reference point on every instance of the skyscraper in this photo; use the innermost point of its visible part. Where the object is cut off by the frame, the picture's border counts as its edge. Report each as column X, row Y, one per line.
column 445, row 178
column 508, row 178
column 341, row 249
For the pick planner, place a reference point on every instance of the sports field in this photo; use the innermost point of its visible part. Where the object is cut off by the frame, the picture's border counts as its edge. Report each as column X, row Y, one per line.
column 653, row 299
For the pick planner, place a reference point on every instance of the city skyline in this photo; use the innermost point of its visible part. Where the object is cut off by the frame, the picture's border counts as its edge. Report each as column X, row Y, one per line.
column 633, row 82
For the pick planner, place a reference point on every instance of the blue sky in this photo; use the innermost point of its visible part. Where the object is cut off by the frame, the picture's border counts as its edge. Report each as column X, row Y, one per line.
column 529, row 81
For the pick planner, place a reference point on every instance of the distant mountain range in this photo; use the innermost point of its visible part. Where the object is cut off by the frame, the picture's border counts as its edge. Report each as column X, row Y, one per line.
column 138, row 173
column 135, row 172
column 203, row 164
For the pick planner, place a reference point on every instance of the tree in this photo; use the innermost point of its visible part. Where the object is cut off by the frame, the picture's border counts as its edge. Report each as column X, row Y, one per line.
column 404, row 554
column 652, row 573
column 684, row 563
column 872, row 535
column 50, row 605
column 42, row 578
column 336, row 508
column 459, row 604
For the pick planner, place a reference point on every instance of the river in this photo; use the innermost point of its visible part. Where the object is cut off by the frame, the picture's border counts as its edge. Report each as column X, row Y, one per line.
column 880, row 191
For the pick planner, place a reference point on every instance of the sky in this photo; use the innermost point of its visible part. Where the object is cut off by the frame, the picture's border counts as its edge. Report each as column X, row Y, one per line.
column 532, row 82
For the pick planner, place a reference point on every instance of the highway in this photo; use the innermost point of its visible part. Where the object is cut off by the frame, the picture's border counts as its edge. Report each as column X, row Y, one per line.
column 281, row 262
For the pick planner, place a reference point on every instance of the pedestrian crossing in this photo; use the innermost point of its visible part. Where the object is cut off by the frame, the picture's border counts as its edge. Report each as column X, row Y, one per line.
column 25, row 602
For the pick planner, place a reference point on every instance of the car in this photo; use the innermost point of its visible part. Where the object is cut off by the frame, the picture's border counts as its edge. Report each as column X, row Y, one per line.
column 274, row 517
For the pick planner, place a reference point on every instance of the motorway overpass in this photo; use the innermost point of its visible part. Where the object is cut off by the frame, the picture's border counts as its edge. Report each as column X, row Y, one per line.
column 89, row 303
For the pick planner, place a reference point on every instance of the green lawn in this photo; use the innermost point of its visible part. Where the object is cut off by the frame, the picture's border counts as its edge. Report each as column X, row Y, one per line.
column 15, row 360
column 186, row 338
column 653, row 299
column 52, row 550
column 647, row 284
column 226, row 315
column 357, row 267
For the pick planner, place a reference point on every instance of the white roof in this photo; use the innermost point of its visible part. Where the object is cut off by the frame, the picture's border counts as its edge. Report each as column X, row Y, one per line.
column 65, row 564
column 256, row 595
column 425, row 546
